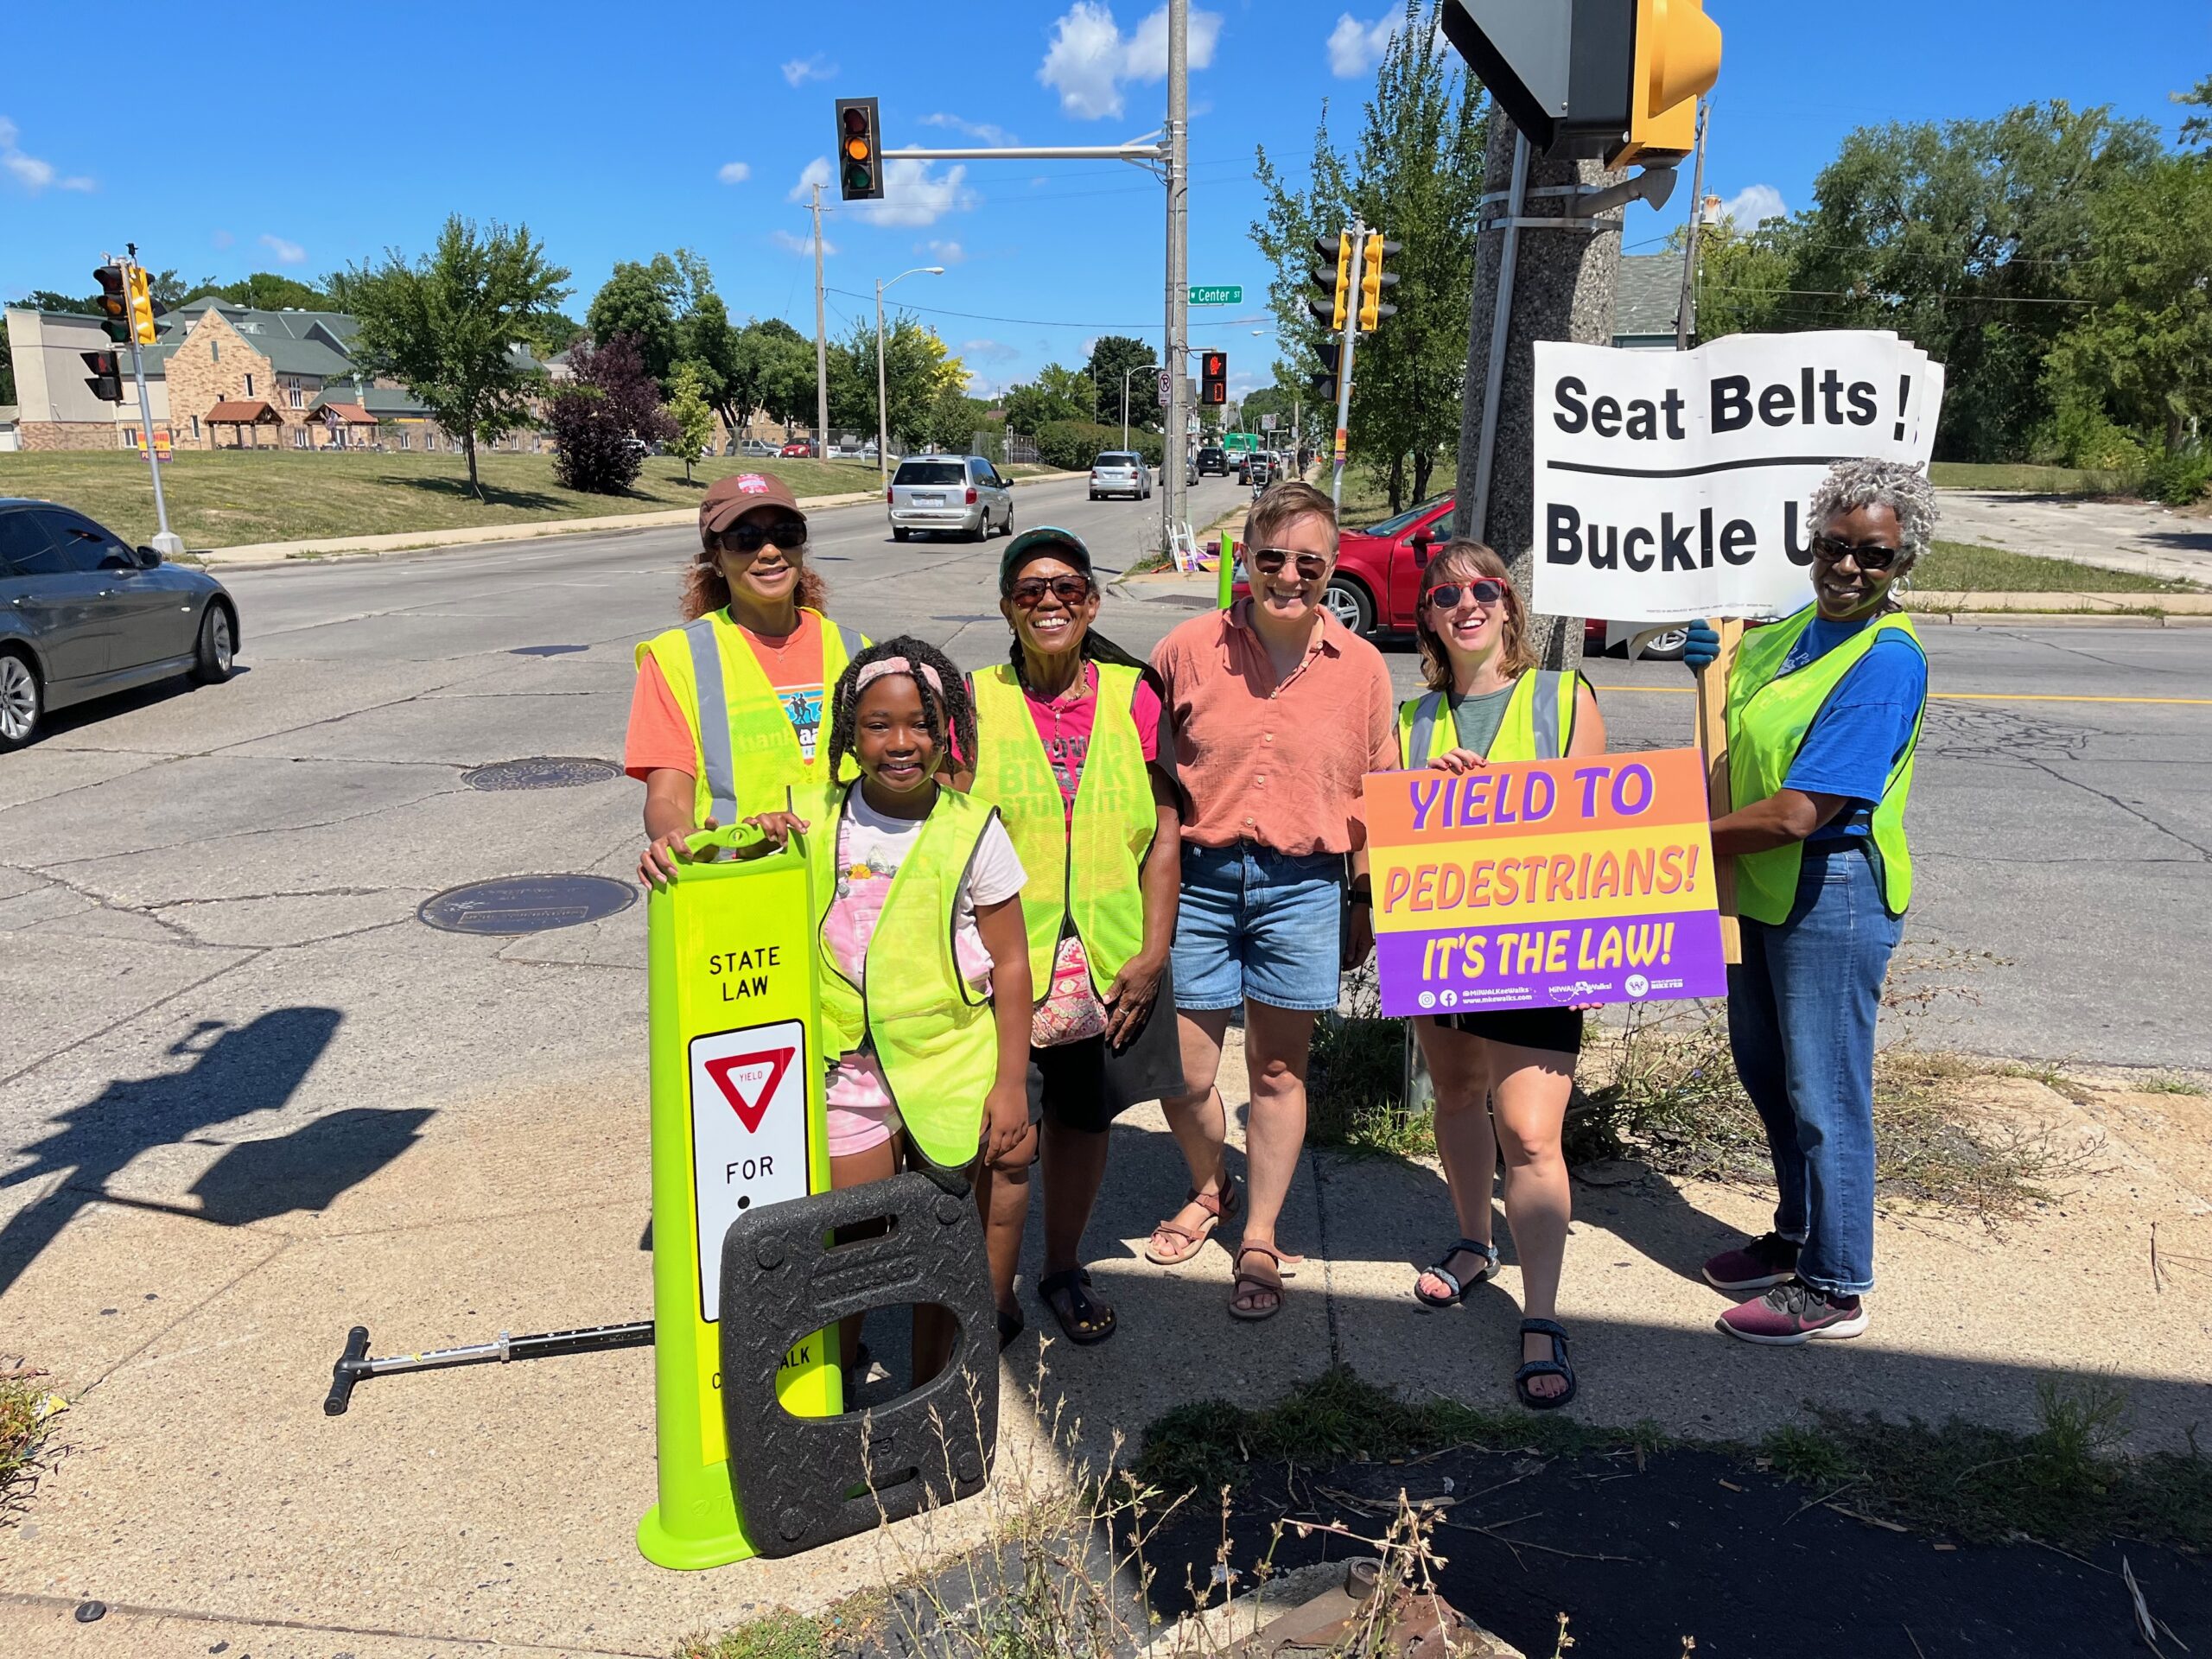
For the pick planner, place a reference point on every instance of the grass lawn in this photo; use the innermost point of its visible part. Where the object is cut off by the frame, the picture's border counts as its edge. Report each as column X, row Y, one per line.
column 229, row 499
column 1957, row 568
column 2010, row 475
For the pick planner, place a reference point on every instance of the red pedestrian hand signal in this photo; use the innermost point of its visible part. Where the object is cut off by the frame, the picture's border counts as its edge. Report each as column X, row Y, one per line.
column 748, row 1082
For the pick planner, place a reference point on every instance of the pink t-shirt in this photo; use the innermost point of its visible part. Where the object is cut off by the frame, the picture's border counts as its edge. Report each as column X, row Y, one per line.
column 1064, row 724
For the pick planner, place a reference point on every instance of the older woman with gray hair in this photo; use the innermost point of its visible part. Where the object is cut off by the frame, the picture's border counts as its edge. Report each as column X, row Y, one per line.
column 1824, row 711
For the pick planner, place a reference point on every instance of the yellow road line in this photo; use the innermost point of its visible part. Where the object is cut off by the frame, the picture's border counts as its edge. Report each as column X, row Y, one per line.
column 1944, row 696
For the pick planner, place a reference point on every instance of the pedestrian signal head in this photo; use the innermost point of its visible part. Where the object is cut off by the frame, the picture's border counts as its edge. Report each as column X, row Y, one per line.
column 105, row 380
column 859, row 150
column 1213, row 377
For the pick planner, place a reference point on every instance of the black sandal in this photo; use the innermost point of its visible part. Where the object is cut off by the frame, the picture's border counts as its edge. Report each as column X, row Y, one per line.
column 1557, row 1365
column 1010, row 1326
column 1460, row 1292
column 1086, row 1321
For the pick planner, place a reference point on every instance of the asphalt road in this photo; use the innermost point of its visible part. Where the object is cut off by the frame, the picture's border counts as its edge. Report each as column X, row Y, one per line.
column 208, row 897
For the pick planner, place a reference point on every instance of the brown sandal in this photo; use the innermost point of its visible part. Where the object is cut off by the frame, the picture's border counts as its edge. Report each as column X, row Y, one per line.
column 1219, row 1207
column 1246, row 1283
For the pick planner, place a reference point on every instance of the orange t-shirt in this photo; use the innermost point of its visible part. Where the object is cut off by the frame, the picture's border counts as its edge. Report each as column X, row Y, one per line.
column 660, row 737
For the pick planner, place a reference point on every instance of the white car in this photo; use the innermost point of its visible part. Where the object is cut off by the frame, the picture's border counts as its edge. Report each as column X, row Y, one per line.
column 1121, row 472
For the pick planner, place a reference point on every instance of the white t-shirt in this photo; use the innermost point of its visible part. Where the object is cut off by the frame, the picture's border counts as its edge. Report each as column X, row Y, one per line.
column 871, row 846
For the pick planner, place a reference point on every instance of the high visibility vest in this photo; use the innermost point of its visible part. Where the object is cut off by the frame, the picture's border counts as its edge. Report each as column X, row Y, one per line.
column 1086, row 869
column 745, row 749
column 935, row 1037
column 1539, row 722
column 1769, row 715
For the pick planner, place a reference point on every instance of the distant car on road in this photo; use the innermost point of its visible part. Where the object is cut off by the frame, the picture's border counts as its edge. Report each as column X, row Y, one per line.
column 1121, row 472
column 955, row 495
column 757, row 448
column 800, row 447
column 1214, row 459
column 82, row 614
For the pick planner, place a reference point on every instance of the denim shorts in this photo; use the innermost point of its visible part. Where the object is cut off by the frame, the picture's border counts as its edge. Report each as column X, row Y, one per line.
column 1259, row 925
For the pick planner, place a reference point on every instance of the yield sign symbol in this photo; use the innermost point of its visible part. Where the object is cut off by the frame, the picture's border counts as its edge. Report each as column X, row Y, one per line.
column 725, row 1072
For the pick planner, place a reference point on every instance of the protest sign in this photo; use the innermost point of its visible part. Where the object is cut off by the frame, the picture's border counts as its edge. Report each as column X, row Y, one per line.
column 1544, row 884
column 1674, row 485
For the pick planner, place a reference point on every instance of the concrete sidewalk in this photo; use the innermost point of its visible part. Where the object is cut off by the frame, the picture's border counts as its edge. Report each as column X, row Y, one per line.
column 2140, row 537
column 201, row 1492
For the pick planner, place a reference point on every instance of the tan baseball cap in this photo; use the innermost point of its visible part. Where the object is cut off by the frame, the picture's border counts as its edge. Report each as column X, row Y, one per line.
column 727, row 499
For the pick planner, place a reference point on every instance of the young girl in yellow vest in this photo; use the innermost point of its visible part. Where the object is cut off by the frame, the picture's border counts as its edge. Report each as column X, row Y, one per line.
column 1502, row 1078
column 922, row 955
column 724, row 717
column 1068, row 731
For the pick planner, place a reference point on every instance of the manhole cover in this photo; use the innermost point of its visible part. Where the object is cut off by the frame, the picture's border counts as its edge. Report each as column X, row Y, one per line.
column 526, row 904
column 541, row 771
column 545, row 651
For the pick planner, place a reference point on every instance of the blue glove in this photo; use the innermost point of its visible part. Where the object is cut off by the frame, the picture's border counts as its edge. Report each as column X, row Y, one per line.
column 1702, row 646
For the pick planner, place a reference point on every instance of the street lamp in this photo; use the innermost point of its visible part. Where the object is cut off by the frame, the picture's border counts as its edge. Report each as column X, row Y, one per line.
column 1140, row 369
column 882, row 412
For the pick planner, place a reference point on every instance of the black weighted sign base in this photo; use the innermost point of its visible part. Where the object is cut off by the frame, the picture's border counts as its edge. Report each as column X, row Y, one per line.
column 802, row 1482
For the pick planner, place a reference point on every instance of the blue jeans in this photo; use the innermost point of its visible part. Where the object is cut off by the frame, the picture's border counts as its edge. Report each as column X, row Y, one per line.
column 1801, row 1019
column 1257, row 925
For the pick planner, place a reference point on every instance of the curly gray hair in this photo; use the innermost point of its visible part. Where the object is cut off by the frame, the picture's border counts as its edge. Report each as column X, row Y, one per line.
column 1897, row 484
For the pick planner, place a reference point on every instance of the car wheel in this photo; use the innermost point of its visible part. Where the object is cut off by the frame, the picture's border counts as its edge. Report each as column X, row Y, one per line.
column 211, row 659
column 1348, row 602
column 1007, row 527
column 1665, row 647
column 22, row 701
column 1094, row 495
column 899, row 533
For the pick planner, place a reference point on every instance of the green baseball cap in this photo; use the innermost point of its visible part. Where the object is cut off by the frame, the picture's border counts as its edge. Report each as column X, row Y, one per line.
column 1032, row 543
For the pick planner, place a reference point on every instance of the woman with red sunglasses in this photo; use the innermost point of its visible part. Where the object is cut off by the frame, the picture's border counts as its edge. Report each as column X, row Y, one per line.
column 1502, row 1078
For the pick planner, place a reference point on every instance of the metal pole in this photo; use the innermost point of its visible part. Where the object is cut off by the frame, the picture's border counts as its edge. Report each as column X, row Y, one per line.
column 167, row 545
column 1502, row 321
column 882, row 412
column 1177, row 138
column 1684, row 314
column 1359, row 235
column 820, row 344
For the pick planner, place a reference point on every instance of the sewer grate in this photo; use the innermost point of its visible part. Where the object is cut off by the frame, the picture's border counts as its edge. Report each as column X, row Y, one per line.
column 526, row 904
column 545, row 651
column 541, row 771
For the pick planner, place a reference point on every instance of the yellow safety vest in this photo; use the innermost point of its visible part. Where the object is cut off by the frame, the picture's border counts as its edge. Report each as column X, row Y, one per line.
column 739, row 734
column 935, row 1037
column 1087, row 870
column 1539, row 722
column 1768, row 719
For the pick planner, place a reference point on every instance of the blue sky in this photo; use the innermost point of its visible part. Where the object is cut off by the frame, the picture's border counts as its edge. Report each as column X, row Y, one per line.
column 302, row 140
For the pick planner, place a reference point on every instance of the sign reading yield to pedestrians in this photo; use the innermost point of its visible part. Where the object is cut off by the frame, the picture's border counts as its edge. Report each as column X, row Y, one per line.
column 1229, row 294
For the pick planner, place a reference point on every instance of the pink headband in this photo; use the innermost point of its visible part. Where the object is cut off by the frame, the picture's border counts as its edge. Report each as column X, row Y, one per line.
column 883, row 666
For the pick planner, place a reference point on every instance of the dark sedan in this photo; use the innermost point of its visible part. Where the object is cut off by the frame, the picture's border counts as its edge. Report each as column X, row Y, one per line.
column 83, row 614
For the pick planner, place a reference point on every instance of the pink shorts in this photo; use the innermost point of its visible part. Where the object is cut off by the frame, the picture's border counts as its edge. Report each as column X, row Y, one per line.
column 858, row 1106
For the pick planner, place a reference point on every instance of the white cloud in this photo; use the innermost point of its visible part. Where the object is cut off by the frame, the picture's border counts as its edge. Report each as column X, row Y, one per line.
column 945, row 253
column 30, row 171
column 984, row 132
column 1355, row 47
column 1090, row 58
column 735, row 172
column 989, row 351
column 912, row 195
column 790, row 243
column 816, row 172
column 287, row 253
column 222, row 238
column 1751, row 204
column 799, row 71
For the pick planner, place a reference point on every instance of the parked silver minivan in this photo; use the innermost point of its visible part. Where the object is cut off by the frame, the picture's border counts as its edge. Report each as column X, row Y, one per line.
column 953, row 495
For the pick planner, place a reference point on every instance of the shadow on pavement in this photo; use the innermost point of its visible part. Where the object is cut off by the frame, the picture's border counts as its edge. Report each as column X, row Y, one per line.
column 235, row 1072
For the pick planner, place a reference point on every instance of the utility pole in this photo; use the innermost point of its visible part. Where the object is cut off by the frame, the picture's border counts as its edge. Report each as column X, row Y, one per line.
column 1686, row 313
column 1177, row 143
column 166, row 542
column 1359, row 235
column 821, row 343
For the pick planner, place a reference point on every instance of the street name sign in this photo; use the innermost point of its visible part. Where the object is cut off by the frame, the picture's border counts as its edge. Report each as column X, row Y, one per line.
column 1218, row 294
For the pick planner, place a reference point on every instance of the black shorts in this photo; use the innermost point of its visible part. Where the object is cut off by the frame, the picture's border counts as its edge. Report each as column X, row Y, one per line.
column 1086, row 1085
column 1556, row 1030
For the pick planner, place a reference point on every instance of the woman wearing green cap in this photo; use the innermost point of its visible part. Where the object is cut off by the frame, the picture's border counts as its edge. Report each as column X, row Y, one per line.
column 1069, row 735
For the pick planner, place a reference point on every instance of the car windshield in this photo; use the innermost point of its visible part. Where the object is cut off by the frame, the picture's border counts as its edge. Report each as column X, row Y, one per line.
column 1410, row 516
column 931, row 472
column 1113, row 460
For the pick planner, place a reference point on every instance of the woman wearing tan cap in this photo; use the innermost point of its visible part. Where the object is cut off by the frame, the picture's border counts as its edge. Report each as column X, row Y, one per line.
column 723, row 720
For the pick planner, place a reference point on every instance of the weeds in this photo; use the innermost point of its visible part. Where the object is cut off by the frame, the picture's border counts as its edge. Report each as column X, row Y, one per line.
column 2167, row 1083
column 27, row 1415
column 780, row 1636
column 1356, row 1080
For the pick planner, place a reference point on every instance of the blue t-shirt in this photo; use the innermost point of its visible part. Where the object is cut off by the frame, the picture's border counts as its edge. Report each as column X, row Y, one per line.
column 1864, row 729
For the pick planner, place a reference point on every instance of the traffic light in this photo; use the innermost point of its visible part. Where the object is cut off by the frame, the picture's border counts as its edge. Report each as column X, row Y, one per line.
column 1611, row 79
column 1325, row 383
column 105, row 381
column 145, row 308
column 1213, row 377
column 1373, row 279
column 113, row 303
column 1333, row 278
column 859, row 150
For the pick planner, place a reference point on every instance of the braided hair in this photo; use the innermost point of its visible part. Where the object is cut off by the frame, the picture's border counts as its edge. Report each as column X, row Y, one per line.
column 951, row 717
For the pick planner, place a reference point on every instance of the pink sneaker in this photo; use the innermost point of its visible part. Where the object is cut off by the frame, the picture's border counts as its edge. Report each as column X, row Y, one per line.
column 1794, row 1312
column 1767, row 1260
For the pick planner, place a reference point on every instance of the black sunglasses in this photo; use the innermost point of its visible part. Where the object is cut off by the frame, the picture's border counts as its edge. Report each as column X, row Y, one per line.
column 1483, row 590
column 786, row 533
column 1867, row 555
column 1312, row 567
column 1029, row 593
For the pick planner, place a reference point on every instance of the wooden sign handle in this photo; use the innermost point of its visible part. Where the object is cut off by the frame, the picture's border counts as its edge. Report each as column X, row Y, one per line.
column 1713, row 738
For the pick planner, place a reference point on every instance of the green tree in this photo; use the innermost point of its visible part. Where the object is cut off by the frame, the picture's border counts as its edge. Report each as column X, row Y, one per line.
column 1417, row 176
column 642, row 300
column 954, row 419
column 1056, row 394
column 264, row 291
column 693, row 415
column 454, row 327
column 916, row 366
column 1744, row 277
column 2196, row 130
column 7, row 366
column 556, row 333
column 1112, row 357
